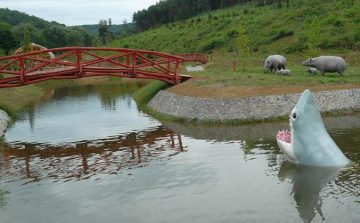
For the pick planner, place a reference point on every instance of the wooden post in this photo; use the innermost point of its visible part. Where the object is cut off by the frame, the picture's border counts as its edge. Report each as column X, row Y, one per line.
column 22, row 70
column 134, row 64
column 79, row 62
column 168, row 67
column 177, row 81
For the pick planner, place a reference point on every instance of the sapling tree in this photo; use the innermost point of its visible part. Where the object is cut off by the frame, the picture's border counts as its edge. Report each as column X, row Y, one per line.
column 26, row 43
column 243, row 45
column 314, row 37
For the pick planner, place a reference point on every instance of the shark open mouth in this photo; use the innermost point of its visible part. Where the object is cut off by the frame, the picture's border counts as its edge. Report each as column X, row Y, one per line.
column 308, row 142
column 284, row 136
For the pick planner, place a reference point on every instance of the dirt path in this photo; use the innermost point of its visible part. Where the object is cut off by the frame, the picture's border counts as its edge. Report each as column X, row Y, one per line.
column 220, row 91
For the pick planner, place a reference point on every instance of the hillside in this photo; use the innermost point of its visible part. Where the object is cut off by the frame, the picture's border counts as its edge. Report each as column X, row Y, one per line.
column 14, row 17
column 14, row 25
column 321, row 24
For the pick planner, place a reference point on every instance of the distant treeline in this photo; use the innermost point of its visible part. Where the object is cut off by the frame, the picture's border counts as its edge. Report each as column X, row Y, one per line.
column 116, row 29
column 168, row 11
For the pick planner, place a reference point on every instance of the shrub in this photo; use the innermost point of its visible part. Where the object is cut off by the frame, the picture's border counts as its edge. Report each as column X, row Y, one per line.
column 338, row 22
column 357, row 35
column 281, row 34
column 228, row 20
column 213, row 44
column 232, row 33
column 300, row 45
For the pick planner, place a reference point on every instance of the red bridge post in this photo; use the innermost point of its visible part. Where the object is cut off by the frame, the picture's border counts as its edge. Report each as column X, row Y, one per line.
column 134, row 64
column 79, row 62
column 177, row 81
column 22, row 70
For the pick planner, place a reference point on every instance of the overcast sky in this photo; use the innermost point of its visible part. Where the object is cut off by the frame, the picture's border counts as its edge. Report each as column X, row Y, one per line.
column 79, row 12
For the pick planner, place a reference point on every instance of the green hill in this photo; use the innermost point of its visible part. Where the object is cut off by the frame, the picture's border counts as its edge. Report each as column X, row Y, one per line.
column 321, row 24
column 14, row 25
column 14, row 17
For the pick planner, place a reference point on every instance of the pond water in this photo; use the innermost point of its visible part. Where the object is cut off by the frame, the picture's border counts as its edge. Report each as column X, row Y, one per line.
column 87, row 154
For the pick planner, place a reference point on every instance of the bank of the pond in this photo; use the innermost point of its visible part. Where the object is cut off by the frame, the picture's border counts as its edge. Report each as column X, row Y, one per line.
column 4, row 120
column 248, row 108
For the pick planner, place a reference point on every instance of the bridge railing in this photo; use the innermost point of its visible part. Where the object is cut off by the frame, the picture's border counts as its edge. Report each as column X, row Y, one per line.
column 194, row 57
column 78, row 62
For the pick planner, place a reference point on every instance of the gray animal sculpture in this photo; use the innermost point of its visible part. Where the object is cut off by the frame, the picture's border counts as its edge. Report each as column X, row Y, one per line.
column 308, row 143
column 275, row 62
column 325, row 64
column 312, row 70
column 283, row 72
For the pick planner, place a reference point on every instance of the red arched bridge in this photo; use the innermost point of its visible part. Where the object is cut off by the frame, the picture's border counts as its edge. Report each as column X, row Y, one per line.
column 79, row 62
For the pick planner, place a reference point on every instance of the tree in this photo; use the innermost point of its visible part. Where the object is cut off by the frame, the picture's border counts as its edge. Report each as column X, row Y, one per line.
column 26, row 43
column 19, row 32
column 103, row 31
column 7, row 42
column 74, row 38
column 86, row 37
column 243, row 44
column 55, row 36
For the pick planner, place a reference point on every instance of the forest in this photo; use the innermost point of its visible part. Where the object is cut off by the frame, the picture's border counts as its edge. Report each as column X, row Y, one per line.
column 168, row 11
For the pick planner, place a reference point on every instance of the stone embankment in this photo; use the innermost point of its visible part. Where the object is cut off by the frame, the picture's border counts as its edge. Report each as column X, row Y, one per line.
column 259, row 107
column 4, row 120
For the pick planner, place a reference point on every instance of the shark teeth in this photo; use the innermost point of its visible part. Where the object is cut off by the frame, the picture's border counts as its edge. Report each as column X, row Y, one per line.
column 284, row 136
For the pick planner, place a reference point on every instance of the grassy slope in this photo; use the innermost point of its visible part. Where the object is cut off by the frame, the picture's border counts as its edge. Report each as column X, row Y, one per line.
column 267, row 28
column 12, row 99
column 333, row 25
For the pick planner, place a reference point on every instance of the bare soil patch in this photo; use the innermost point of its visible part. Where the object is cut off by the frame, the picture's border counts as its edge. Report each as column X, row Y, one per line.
column 220, row 91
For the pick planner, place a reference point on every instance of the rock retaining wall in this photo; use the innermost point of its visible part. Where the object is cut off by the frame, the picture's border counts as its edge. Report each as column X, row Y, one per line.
column 4, row 120
column 259, row 107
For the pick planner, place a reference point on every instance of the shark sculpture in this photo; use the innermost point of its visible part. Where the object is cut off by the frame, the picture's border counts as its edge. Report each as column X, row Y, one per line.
column 309, row 143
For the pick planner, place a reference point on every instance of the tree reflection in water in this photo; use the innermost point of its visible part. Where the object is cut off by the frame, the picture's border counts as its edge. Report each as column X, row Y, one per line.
column 86, row 159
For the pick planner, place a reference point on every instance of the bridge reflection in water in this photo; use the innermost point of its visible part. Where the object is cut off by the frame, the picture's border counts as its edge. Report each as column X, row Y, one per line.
column 86, row 159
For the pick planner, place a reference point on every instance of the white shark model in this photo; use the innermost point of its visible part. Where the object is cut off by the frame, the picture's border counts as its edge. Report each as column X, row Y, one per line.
column 308, row 143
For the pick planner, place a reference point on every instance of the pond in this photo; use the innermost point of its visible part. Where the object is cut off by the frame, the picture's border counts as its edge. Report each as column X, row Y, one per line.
column 88, row 154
